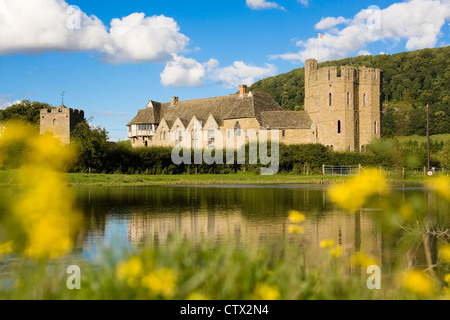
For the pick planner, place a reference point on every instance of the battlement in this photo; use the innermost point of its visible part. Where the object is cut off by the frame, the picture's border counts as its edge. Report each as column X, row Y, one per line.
column 330, row 75
column 62, row 110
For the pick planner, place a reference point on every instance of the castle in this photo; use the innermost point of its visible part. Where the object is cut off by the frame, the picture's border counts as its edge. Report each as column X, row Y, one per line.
column 342, row 111
column 60, row 121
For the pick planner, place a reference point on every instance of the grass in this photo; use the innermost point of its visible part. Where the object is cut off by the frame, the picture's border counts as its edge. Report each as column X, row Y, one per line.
column 197, row 271
column 9, row 177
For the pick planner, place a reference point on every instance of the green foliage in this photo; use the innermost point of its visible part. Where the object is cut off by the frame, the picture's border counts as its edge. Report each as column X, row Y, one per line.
column 24, row 111
column 410, row 81
column 92, row 145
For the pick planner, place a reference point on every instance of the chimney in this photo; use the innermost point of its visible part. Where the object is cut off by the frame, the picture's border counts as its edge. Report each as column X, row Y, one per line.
column 242, row 89
column 174, row 100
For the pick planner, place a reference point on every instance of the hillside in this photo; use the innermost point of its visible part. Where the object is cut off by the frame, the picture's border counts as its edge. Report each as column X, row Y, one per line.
column 410, row 81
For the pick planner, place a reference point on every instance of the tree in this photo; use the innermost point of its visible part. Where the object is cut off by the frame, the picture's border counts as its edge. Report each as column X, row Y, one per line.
column 24, row 111
column 92, row 145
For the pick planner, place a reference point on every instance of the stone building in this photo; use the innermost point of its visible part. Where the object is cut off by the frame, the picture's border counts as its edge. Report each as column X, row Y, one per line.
column 345, row 104
column 342, row 111
column 60, row 121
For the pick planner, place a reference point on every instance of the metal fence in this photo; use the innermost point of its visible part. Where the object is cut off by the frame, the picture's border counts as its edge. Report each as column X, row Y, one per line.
column 341, row 170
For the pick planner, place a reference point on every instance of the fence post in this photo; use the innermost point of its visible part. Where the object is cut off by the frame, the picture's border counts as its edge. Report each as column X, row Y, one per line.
column 403, row 173
column 323, row 169
column 359, row 169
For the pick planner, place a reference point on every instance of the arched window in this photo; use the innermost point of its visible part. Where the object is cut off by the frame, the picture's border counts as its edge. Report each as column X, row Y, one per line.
column 348, row 98
column 339, row 126
column 364, row 100
column 330, row 99
column 54, row 121
column 375, row 129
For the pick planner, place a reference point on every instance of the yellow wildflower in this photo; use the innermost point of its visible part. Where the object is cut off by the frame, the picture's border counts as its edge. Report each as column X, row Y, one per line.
column 447, row 278
column 417, row 282
column 160, row 282
column 336, row 252
column 353, row 194
column 440, row 185
column 327, row 243
column 363, row 260
column 266, row 292
column 444, row 252
column 44, row 211
column 296, row 216
column 295, row 229
column 6, row 248
column 130, row 271
column 197, row 296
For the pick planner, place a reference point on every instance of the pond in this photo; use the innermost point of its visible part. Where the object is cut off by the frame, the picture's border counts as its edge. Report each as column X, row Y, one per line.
column 248, row 215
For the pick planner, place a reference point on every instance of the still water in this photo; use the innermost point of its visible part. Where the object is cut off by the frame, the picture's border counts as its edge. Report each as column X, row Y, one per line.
column 245, row 215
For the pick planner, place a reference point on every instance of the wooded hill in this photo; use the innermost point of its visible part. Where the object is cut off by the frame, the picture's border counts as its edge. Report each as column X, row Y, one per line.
column 410, row 81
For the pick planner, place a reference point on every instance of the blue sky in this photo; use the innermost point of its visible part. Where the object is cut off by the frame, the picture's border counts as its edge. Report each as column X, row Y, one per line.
column 112, row 57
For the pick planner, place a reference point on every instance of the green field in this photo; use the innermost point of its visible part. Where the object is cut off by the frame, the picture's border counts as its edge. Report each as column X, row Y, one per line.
column 9, row 178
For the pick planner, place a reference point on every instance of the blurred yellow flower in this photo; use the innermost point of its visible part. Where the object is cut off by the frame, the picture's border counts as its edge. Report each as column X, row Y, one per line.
column 353, row 194
column 266, row 292
column 296, row 216
column 161, row 282
column 6, row 247
column 417, row 282
column 440, row 185
column 444, row 252
column 327, row 243
column 447, row 278
column 362, row 260
column 296, row 229
column 197, row 296
column 44, row 210
column 130, row 271
column 336, row 252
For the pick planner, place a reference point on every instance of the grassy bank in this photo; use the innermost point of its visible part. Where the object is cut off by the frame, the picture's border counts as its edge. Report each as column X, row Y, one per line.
column 9, row 177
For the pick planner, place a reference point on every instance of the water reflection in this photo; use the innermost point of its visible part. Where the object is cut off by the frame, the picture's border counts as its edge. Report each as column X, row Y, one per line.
column 246, row 215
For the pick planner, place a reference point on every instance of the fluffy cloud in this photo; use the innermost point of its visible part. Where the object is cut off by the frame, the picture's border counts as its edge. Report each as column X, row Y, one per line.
column 241, row 73
column 187, row 72
column 263, row 4
column 5, row 101
column 331, row 22
column 183, row 72
column 418, row 21
column 37, row 26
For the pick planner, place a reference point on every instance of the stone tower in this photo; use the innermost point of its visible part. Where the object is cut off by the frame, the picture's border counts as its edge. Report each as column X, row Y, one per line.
column 345, row 105
column 60, row 121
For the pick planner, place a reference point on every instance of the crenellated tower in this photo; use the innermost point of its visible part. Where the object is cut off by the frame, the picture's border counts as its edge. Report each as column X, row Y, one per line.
column 344, row 103
column 60, row 121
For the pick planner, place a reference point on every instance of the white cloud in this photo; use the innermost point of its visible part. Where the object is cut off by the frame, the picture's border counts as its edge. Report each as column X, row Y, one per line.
column 241, row 73
column 5, row 101
column 419, row 22
column 37, row 26
column 331, row 22
column 364, row 53
column 304, row 2
column 187, row 72
column 263, row 4
column 183, row 72
column 137, row 38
